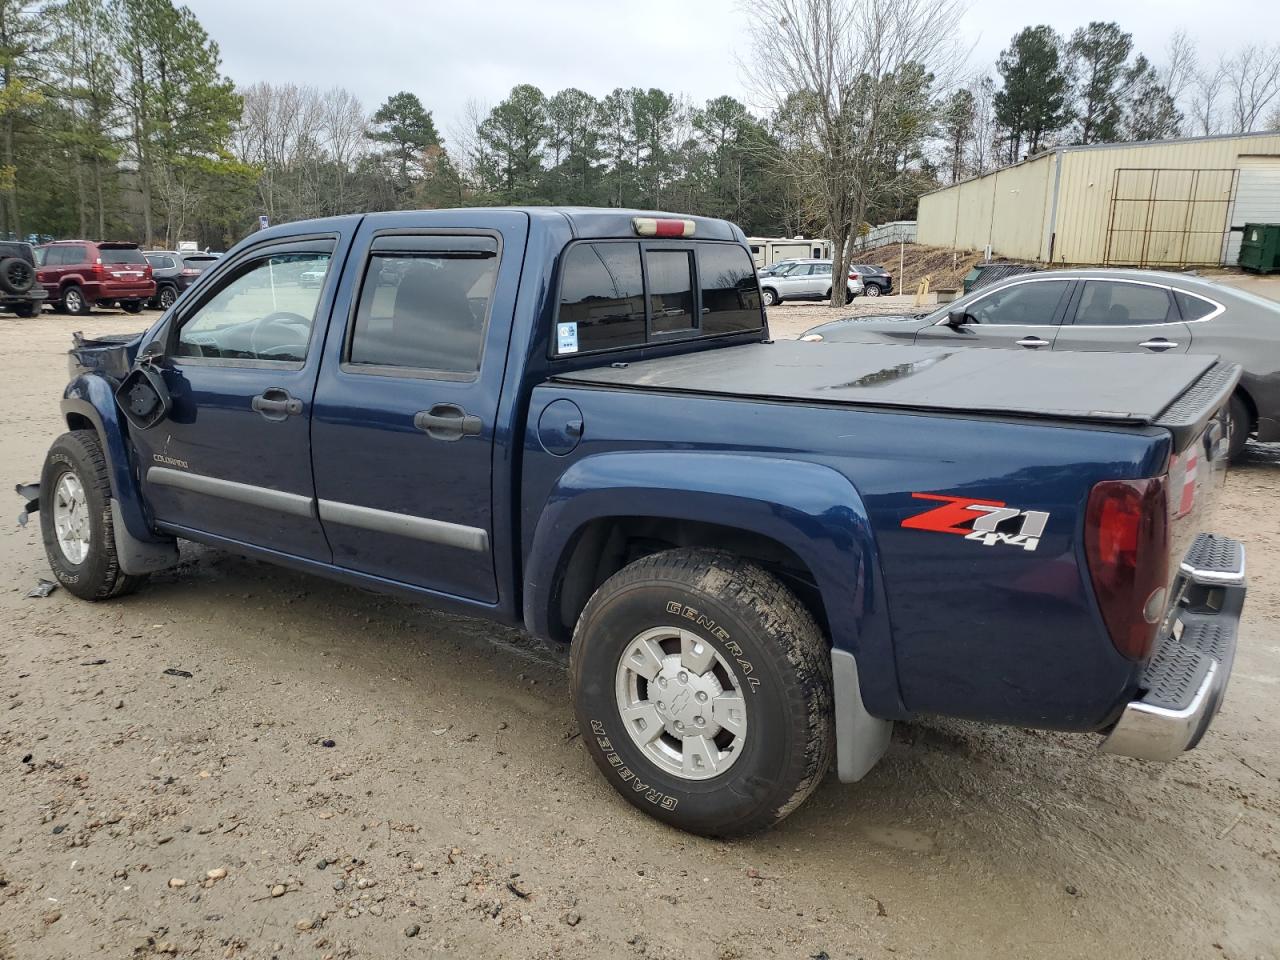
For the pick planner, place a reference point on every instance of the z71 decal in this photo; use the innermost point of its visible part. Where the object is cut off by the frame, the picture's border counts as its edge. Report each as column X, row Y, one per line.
column 987, row 521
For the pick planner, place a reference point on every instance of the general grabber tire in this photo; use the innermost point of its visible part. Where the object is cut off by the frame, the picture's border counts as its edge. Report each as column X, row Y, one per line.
column 75, row 519
column 703, row 690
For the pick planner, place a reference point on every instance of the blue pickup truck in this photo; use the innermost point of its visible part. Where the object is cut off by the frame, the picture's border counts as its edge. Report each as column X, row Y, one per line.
column 762, row 553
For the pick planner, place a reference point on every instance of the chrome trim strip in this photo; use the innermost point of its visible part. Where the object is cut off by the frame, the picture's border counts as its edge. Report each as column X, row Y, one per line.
column 294, row 504
column 1213, row 577
column 405, row 525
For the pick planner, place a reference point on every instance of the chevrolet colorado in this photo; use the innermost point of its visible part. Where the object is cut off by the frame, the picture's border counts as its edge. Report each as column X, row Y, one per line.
column 762, row 554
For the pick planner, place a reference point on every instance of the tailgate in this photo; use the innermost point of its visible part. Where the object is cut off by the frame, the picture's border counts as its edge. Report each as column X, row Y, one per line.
column 1199, row 424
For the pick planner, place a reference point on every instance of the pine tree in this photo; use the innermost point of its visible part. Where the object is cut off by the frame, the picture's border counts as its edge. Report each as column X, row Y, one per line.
column 406, row 127
column 1098, row 54
column 1032, row 106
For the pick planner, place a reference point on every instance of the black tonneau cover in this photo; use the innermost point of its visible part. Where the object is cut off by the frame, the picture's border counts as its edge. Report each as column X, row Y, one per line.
column 1103, row 387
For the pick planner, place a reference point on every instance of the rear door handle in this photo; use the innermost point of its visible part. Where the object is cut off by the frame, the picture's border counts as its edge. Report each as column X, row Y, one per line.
column 276, row 404
column 447, row 421
column 1032, row 343
column 1159, row 345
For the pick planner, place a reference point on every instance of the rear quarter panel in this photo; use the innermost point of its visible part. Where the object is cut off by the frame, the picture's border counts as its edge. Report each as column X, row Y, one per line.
column 940, row 623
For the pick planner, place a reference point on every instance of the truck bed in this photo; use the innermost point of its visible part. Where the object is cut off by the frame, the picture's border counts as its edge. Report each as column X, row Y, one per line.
column 1114, row 388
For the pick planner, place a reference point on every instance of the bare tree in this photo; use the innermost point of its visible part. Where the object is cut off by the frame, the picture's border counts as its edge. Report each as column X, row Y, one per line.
column 1252, row 81
column 842, row 65
column 1206, row 91
column 1181, row 65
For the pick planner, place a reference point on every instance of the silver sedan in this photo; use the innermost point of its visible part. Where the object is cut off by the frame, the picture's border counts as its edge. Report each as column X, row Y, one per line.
column 1136, row 311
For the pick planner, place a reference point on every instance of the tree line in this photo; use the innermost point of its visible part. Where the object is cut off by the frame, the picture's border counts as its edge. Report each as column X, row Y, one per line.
column 117, row 120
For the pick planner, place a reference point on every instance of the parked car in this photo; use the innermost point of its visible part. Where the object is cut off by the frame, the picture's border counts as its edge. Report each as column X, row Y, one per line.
column 81, row 273
column 174, row 271
column 19, row 289
column 760, row 553
column 805, row 280
column 780, row 267
column 878, row 280
column 1136, row 311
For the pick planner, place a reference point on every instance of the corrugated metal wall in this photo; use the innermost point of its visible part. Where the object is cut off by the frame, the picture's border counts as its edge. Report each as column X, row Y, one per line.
column 1006, row 209
column 1177, row 215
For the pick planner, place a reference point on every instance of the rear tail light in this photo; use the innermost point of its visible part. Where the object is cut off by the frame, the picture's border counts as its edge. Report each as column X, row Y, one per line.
column 1126, row 539
column 188, row 272
column 99, row 270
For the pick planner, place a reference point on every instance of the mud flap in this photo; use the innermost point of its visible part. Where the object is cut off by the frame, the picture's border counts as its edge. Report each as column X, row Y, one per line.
column 140, row 556
column 861, row 739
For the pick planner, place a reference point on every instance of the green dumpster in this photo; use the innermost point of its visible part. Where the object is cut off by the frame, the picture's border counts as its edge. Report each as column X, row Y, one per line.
column 970, row 277
column 1260, row 248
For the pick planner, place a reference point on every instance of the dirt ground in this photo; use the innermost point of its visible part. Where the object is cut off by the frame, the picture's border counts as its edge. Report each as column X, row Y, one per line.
column 346, row 775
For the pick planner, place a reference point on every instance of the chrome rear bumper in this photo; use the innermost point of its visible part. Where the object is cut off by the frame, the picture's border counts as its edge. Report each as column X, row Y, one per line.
column 1186, row 678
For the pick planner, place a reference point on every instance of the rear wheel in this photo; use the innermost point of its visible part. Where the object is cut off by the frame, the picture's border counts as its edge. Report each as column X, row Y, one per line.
column 770, row 296
column 75, row 519
column 871, row 290
column 131, row 306
column 1241, row 425
column 703, row 690
column 26, row 309
column 166, row 297
column 74, row 302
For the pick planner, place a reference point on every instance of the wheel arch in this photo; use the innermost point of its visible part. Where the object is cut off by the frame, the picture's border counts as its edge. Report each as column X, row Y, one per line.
column 803, row 521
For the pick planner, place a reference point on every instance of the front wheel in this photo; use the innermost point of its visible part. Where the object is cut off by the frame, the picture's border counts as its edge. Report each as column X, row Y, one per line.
column 26, row 310
column 770, row 297
column 703, row 690
column 75, row 519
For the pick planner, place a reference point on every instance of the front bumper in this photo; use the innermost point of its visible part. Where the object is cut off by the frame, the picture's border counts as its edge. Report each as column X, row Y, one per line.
column 1186, row 678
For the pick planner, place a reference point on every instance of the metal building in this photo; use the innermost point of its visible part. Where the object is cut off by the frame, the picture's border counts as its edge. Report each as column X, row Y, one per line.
column 1163, row 203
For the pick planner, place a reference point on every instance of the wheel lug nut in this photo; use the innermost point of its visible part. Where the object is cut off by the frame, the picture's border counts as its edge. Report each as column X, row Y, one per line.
column 683, row 677
column 662, row 681
column 679, row 725
column 702, row 696
column 698, row 721
column 661, row 705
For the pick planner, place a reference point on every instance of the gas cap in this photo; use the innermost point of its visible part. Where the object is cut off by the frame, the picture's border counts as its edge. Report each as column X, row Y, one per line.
column 560, row 427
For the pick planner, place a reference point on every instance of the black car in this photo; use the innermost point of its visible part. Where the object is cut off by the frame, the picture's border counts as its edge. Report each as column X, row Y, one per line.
column 19, row 290
column 877, row 280
column 174, row 272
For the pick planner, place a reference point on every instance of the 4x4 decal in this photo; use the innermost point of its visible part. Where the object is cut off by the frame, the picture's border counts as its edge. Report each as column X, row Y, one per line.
column 980, row 520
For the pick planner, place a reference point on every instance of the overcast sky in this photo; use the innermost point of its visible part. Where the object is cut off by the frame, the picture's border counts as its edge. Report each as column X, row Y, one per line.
column 450, row 52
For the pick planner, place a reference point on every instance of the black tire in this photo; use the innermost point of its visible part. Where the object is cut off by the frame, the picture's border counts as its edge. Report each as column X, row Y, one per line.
column 74, row 301
column 1240, row 427
column 98, row 575
column 848, row 295
column 165, row 298
column 131, row 306
column 29, row 309
column 871, row 290
column 782, row 663
column 16, row 275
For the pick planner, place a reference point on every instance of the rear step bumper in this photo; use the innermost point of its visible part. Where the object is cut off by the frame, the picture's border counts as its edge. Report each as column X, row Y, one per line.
column 1185, row 680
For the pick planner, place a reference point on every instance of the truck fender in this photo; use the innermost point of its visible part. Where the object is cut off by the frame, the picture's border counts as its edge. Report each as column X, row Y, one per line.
column 811, row 509
column 139, row 548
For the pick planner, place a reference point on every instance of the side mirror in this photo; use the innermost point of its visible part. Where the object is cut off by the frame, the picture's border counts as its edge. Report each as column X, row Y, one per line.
column 143, row 397
column 957, row 319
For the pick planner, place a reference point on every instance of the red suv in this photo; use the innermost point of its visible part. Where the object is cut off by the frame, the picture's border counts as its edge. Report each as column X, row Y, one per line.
column 80, row 273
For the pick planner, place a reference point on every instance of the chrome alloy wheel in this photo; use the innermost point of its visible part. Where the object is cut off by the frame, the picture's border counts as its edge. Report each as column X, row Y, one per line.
column 71, row 518
column 681, row 703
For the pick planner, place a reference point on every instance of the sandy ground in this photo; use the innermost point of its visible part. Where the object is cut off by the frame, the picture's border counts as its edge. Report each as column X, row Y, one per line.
column 456, row 813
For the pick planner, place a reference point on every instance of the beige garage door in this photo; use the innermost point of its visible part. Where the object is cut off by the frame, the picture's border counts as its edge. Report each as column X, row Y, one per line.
column 1257, row 199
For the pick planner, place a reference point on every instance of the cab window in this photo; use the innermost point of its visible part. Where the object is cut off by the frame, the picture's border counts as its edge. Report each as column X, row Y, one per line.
column 1107, row 303
column 263, row 313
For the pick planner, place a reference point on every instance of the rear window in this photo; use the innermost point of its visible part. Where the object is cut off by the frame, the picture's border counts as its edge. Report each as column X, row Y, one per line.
column 121, row 255
column 1193, row 307
column 621, row 294
column 160, row 262
column 198, row 263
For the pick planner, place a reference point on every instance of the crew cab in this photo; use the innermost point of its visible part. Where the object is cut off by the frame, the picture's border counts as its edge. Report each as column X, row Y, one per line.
column 761, row 553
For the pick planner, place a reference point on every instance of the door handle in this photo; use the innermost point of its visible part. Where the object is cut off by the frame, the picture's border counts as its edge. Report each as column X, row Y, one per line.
column 275, row 404
column 447, row 421
column 1032, row 343
column 1160, row 344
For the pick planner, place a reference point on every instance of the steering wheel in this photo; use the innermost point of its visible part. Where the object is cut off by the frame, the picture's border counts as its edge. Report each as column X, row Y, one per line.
column 281, row 319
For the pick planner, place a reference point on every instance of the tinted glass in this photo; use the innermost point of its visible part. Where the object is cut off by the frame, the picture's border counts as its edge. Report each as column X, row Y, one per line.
column 41, row 256
column 424, row 311
column 1193, row 308
column 159, row 262
column 730, row 294
column 198, row 263
column 1024, row 303
column 1104, row 303
column 262, row 313
column 602, row 297
column 670, row 290
column 121, row 255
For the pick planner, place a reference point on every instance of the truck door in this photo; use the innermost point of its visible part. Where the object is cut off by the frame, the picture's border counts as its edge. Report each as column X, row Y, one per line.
column 233, row 458
column 1125, row 316
column 406, row 406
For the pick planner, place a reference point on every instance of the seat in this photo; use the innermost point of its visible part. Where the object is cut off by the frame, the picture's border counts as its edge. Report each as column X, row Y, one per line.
column 432, row 324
